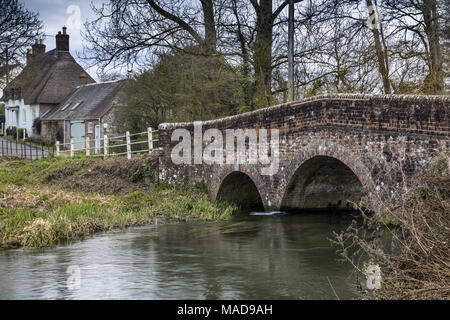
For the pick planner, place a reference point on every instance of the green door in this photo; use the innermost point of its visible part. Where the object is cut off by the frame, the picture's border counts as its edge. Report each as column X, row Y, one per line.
column 77, row 134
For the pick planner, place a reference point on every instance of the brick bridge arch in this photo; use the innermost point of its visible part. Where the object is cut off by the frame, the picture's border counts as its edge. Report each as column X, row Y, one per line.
column 332, row 150
column 322, row 153
column 361, row 134
column 265, row 187
column 241, row 186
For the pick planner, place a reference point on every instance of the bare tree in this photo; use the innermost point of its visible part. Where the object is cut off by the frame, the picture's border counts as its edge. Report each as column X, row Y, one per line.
column 336, row 50
column 403, row 36
column 128, row 32
column 267, row 17
column 417, row 22
column 380, row 44
column 19, row 28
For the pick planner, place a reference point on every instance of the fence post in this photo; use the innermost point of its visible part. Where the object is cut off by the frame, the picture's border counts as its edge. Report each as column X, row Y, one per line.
column 150, row 140
column 105, row 145
column 71, row 148
column 128, row 145
column 88, row 144
column 57, row 148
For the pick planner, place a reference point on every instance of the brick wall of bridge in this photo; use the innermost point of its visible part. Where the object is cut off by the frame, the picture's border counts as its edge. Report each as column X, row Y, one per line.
column 363, row 132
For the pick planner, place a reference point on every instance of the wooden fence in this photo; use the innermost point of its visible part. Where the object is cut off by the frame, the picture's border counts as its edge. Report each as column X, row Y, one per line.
column 128, row 144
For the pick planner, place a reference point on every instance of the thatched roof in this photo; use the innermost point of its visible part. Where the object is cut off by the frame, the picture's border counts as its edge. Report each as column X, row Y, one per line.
column 87, row 102
column 47, row 79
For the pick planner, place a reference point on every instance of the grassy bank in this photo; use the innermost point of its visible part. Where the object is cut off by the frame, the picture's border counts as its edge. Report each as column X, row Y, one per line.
column 57, row 199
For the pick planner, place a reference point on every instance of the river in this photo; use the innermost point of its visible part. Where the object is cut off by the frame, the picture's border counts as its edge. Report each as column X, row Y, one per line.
column 248, row 257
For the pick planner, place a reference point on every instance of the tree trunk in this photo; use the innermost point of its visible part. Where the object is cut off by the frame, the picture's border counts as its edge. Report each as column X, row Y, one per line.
column 291, row 50
column 435, row 78
column 210, row 26
column 245, row 69
column 381, row 56
column 262, row 50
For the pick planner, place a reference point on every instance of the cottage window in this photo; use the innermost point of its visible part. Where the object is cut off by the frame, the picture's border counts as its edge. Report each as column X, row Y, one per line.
column 90, row 127
column 76, row 105
column 45, row 113
column 24, row 115
column 66, row 106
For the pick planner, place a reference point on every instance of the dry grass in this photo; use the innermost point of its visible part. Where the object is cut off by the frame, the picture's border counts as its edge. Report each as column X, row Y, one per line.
column 44, row 198
column 110, row 176
column 52, row 200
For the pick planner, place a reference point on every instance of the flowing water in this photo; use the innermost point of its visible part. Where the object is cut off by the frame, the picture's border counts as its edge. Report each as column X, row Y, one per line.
column 250, row 257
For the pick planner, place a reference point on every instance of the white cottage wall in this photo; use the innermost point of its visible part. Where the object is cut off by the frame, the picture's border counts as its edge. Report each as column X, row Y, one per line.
column 25, row 117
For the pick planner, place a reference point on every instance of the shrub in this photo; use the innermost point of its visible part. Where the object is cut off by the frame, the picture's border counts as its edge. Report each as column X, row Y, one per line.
column 39, row 140
column 12, row 132
column 407, row 235
column 16, row 133
column 37, row 126
column 22, row 133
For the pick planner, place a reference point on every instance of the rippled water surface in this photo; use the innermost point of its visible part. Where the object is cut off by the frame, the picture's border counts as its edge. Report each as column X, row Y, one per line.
column 250, row 257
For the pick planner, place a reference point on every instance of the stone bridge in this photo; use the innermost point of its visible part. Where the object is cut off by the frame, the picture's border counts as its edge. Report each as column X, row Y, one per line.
column 332, row 148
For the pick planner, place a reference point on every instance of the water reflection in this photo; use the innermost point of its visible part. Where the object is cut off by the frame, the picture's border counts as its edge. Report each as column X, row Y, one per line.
column 250, row 257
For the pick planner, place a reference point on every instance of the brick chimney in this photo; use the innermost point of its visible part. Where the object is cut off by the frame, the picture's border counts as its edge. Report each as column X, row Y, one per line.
column 83, row 79
column 38, row 48
column 62, row 40
column 29, row 56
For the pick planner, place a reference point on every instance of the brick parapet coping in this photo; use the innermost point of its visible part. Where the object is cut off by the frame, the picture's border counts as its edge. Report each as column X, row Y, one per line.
column 326, row 97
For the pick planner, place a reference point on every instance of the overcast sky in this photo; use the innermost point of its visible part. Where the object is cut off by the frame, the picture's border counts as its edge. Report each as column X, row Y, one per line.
column 58, row 13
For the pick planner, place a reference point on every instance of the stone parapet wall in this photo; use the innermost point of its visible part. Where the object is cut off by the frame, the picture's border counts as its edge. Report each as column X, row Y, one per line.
column 363, row 132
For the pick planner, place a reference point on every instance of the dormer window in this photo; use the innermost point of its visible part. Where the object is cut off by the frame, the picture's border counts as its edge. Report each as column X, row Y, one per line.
column 66, row 106
column 76, row 105
column 45, row 113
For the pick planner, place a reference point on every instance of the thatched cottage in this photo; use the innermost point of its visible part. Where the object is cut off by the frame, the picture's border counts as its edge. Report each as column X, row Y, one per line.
column 47, row 79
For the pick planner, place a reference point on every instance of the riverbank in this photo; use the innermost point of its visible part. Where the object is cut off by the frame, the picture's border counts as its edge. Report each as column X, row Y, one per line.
column 407, row 237
column 57, row 199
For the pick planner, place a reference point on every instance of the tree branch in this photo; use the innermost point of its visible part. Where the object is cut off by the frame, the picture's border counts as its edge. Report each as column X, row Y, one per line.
column 177, row 20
